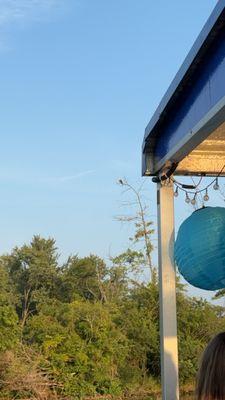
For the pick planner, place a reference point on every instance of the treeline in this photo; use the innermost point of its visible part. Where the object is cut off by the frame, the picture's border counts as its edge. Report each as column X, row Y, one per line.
column 88, row 328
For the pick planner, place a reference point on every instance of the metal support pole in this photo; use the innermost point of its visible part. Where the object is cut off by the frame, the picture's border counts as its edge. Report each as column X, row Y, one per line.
column 167, row 287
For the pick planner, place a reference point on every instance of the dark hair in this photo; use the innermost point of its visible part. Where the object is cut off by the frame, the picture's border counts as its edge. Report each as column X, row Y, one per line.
column 211, row 375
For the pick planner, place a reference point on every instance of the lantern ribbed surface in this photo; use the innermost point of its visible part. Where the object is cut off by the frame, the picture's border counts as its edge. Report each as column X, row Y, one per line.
column 200, row 248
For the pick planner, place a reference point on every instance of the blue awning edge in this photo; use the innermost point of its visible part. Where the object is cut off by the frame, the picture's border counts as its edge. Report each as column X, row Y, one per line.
column 172, row 100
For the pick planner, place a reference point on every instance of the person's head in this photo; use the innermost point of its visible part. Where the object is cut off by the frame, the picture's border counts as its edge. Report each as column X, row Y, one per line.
column 211, row 375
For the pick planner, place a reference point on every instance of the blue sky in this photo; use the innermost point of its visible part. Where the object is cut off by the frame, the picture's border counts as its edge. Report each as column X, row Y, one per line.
column 79, row 81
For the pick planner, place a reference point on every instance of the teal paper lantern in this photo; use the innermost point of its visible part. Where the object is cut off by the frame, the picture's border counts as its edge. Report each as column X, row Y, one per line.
column 200, row 248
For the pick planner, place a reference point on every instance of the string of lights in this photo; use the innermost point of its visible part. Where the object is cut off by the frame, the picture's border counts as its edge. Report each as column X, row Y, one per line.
column 194, row 190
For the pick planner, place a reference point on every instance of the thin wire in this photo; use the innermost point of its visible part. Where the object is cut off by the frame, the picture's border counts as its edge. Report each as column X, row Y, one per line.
column 197, row 191
column 200, row 197
column 181, row 184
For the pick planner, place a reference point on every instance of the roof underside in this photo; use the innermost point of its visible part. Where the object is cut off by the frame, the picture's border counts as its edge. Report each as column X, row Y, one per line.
column 207, row 158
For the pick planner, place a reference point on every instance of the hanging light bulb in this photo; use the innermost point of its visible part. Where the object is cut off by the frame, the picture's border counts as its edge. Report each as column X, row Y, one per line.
column 176, row 192
column 187, row 199
column 193, row 201
column 216, row 185
column 206, row 197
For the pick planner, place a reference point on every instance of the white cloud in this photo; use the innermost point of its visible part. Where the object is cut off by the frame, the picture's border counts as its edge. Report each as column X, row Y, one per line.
column 76, row 176
column 21, row 177
column 22, row 10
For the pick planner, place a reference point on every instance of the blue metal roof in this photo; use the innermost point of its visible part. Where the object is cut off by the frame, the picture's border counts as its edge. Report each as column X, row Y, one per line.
column 186, row 76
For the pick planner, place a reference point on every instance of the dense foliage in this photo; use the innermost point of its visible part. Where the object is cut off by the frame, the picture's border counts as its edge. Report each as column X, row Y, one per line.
column 86, row 328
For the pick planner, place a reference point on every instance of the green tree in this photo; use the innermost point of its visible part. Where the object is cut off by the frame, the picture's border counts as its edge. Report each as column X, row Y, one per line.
column 198, row 322
column 143, row 230
column 33, row 271
column 89, row 328
column 85, row 277
column 9, row 330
